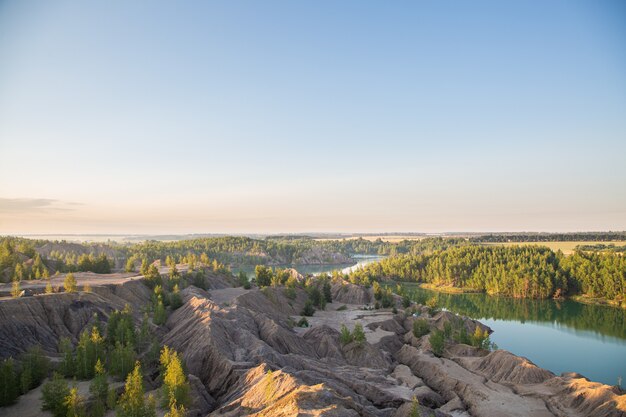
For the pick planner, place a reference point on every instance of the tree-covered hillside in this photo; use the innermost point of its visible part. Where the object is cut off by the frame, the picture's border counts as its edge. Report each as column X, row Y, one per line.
column 516, row 271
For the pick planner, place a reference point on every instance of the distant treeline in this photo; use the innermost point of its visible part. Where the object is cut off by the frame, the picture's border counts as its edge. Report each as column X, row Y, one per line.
column 551, row 237
column 33, row 259
column 602, row 247
column 517, row 271
column 362, row 246
column 530, row 272
column 19, row 260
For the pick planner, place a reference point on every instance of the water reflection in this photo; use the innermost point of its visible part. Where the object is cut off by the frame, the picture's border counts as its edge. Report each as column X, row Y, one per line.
column 559, row 335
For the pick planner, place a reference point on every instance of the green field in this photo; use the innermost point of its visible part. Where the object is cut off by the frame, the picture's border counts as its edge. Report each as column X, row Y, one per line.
column 566, row 247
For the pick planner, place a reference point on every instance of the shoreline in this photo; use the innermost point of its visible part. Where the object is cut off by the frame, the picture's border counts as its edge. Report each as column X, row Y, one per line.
column 583, row 299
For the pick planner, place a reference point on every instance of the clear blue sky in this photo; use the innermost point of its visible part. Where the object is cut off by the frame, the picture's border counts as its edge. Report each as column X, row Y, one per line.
column 153, row 117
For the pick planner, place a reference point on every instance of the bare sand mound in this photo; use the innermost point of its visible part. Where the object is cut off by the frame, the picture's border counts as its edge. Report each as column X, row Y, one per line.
column 503, row 366
column 347, row 293
column 250, row 360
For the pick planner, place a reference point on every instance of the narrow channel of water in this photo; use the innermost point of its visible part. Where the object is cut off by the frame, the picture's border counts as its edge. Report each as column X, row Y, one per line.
column 360, row 260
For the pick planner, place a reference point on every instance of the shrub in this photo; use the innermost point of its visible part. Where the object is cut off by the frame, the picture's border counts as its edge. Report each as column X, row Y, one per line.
column 34, row 368
column 290, row 293
column 99, row 389
column 120, row 327
column 8, row 383
column 303, row 322
column 432, row 304
column 160, row 315
column 291, row 282
column 132, row 402
column 386, row 300
column 176, row 411
column 121, row 360
column 243, row 280
column 16, row 290
column 199, row 280
column 462, row 337
column 480, row 339
column 437, row 341
column 152, row 276
column 406, row 301
column 358, row 334
column 345, row 336
column 90, row 349
column 263, row 275
column 111, row 398
column 175, row 385
column 176, row 300
column 53, row 394
column 75, row 404
column 326, row 289
column 415, row 410
column 316, row 297
column 67, row 367
column 308, row 309
column 69, row 283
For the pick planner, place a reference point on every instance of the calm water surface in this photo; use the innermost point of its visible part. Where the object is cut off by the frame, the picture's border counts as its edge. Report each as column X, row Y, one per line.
column 562, row 336
column 360, row 260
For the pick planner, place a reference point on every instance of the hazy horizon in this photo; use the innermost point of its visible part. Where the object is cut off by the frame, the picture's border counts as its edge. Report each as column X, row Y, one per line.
column 281, row 117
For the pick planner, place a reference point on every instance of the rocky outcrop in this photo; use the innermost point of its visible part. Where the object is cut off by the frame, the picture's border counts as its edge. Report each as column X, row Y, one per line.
column 244, row 358
column 217, row 281
column 43, row 320
column 230, row 344
column 503, row 366
column 575, row 392
column 263, row 392
column 348, row 293
column 325, row 341
column 365, row 355
column 442, row 318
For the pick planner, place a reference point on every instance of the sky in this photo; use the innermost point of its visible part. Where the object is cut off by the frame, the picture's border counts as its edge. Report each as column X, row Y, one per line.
column 285, row 117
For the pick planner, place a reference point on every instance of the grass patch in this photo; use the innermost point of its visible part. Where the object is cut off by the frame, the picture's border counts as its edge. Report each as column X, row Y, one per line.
column 598, row 301
column 566, row 247
column 449, row 289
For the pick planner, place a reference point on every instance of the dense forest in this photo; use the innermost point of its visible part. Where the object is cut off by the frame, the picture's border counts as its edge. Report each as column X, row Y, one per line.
column 33, row 259
column 601, row 247
column 517, row 271
column 551, row 237
column 22, row 259
column 597, row 271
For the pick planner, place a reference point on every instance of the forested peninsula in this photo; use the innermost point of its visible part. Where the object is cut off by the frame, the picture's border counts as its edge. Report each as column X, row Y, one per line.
column 516, row 271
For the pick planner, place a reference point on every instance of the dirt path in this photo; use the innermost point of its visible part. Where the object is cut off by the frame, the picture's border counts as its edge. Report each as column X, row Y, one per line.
column 82, row 279
column 349, row 317
column 226, row 295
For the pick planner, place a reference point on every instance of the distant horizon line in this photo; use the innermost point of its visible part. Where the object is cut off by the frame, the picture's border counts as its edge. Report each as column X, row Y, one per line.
column 393, row 233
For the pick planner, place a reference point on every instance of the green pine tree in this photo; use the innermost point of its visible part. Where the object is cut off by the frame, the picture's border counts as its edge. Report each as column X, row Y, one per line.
column 70, row 283
column 132, row 402
column 53, row 394
column 175, row 385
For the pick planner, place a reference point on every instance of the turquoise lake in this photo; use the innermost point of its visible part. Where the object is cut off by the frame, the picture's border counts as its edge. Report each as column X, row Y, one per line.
column 558, row 335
